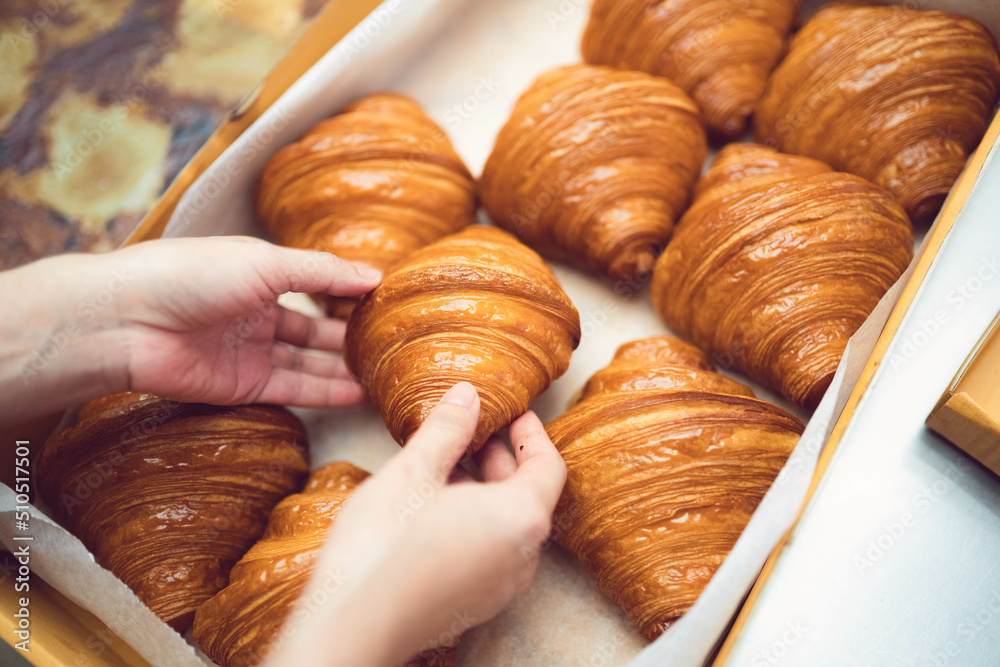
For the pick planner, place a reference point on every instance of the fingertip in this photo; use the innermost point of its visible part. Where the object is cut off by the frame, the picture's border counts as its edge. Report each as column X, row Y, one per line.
column 444, row 436
column 496, row 462
column 351, row 394
column 462, row 394
column 540, row 465
column 525, row 425
column 369, row 274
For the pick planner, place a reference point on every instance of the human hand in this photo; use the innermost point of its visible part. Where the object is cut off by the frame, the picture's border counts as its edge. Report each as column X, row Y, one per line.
column 203, row 324
column 190, row 319
column 422, row 548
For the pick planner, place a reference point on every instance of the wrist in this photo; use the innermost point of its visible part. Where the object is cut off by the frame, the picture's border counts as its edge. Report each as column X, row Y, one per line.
column 61, row 342
column 351, row 623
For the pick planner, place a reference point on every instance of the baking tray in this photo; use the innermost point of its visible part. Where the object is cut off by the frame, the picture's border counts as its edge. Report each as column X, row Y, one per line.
column 894, row 560
column 414, row 49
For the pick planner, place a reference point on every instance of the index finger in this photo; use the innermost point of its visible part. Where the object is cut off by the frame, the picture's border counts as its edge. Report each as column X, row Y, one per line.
column 294, row 270
column 539, row 464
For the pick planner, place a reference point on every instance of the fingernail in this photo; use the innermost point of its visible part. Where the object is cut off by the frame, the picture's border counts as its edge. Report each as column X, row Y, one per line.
column 463, row 394
column 368, row 273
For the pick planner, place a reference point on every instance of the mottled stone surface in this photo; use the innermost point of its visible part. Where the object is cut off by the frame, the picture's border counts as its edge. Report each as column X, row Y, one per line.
column 102, row 103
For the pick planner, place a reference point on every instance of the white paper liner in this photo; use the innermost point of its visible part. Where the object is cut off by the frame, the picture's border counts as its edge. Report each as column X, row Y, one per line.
column 479, row 56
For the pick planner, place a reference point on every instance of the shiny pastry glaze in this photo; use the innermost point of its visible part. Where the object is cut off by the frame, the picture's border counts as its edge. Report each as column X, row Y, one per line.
column 372, row 184
column 898, row 96
column 477, row 306
column 719, row 51
column 777, row 263
column 167, row 495
column 238, row 626
column 594, row 166
column 666, row 463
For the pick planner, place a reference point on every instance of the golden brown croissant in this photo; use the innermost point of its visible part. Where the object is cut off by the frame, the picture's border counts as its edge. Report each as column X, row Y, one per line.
column 898, row 96
column 372, row 184
column 777, row 263
column 238, row 626
column 594, row 167
column 168, row 496
column 666, row 463
column 719, row 51
column 476, row 306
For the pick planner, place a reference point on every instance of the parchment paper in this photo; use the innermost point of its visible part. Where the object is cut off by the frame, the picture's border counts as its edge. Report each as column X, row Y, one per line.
column 466, row 62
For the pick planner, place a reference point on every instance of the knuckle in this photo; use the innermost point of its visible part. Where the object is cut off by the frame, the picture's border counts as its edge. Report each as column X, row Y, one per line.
column 330, row 261
column 533, row 522
column 410, row 465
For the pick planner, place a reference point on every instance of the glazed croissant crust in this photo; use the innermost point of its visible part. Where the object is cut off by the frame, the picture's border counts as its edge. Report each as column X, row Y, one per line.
column 898, row 96
column 371, row 184
column 719, row 51
column 777, row 263
column 594, row 167
column 477, row 306
column 168, row 496
column 239, row 626
column 666, row 463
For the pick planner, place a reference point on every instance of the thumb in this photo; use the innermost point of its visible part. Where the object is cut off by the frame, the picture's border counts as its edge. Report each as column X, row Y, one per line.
column 444, row 437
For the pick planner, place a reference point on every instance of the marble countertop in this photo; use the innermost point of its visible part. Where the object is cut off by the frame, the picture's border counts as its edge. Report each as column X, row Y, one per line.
column 102, row 103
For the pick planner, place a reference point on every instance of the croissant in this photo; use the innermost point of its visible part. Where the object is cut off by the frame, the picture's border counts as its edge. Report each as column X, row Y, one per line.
column 371, row 185
column 594, row 166
column 168, row 496
column 239, row 626
column 777, row 263
column 719, row 51
column 476, row 306
column 898, row 96
column 666, row 463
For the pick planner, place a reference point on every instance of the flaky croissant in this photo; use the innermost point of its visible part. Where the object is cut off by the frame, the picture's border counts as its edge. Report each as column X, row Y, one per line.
column 168, row 496
column 898, row 96
column 371, row 185
column 777, row 263
column 240, row 625
column 594, row 167
column 666, row 463
column 476, row 306
column 719, row 51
